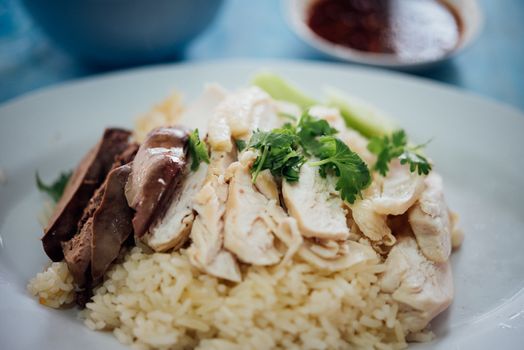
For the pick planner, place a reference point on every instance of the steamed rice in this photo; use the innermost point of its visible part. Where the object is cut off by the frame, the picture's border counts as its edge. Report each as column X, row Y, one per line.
column 160, row 301
column 54, row 287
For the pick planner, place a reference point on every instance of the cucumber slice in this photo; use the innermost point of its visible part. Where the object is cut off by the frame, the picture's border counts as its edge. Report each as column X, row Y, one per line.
column 280, row 89
column 360, row 115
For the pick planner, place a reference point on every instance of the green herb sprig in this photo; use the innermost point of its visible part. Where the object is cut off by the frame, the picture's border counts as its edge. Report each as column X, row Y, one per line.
column 197, row 150
column 393, row 146
column 56, row 189
column 279, row 152
column 283, row 151
column 352, row 173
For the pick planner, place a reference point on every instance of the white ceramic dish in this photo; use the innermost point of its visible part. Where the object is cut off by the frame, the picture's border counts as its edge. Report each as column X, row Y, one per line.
column 477, row 146
column 297, row 13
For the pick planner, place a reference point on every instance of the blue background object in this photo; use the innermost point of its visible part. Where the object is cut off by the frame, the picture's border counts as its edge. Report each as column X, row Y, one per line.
column 492, row 66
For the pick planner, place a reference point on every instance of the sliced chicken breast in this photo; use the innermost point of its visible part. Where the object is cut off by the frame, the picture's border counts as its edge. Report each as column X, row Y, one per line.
column 327, row 255
column 400, row 189
column 247, row 233
column 172, row 231
column 198, row 113
column 239, row 114
column 430, row 220
column 316, row 205
column 423, row 286
column 372, row 224
column 206, row 251
column 157, row 170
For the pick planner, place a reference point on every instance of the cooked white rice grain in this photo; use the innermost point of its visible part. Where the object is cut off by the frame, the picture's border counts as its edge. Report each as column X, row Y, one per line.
column 53, row 287
column 159, row 301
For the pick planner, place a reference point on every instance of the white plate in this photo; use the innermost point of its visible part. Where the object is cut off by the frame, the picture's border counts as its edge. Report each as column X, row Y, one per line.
column 478, row 146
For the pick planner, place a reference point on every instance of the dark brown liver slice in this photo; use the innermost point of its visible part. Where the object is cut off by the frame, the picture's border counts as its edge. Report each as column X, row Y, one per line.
column 112, row 222
column 77, row 253
column 87, row 177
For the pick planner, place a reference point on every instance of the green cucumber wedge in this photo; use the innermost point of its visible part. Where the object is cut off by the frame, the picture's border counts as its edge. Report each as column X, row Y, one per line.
column 280, row 89
column 360, row 115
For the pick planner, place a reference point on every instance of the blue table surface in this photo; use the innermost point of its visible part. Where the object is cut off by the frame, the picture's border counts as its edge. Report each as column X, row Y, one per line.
column 493, row 66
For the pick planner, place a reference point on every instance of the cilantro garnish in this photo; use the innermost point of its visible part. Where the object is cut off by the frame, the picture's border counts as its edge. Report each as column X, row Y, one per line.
column 241, row 145
column 279, row 152
column 394, row 146
column 197, row 150
column 309, row 128
column 283, row 151
column 336, row 158
column 56, row 189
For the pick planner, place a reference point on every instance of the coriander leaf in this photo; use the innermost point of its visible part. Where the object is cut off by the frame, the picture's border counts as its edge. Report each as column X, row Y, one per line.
column 338, row 159
column 387, row 148
column 309, row 128
column 197, row 150
column 416, row 162
column 279, row 152
column 56, row 189
column 394, row 146
column 241, row 145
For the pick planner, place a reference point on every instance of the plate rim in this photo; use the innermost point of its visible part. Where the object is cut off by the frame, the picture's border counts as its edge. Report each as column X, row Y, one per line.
column 262, row 62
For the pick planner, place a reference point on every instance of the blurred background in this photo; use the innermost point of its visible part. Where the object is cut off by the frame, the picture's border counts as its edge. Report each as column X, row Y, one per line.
column 492, row 64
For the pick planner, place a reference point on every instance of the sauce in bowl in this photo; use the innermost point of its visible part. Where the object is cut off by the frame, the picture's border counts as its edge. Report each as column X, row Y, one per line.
column 413, row 30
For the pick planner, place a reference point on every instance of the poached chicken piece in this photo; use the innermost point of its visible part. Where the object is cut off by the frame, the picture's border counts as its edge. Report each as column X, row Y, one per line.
column 400, row 189
column 238, row 115
column 430, row 221
column 206, row 251
column 316, row 206
column 423, row 286
column 390, row 195
column 247, row 233
column 156, row 174
column 175, row 225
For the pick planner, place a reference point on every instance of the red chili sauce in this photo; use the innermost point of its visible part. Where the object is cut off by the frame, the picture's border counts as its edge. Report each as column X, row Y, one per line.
column 413, row 30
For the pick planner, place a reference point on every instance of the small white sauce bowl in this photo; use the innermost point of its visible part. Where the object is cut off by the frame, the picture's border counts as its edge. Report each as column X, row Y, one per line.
column 297, row 15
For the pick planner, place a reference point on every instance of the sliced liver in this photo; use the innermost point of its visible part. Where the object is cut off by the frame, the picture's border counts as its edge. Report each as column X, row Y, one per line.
column 77, row 253
column 108, row 223
column 112, row 222
column 87, row 177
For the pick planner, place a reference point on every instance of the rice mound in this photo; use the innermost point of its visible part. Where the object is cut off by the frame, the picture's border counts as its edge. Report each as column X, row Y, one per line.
column 53, row 287
column 160, row 301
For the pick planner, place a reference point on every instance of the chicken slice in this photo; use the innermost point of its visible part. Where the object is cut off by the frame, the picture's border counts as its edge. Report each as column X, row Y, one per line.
column 430, row 220
column 352, row 138
column 316, row 206
column 206, row 251
column 199, row 111
column 457, row 235
column 238, row 115
column 173, row 229
column 266, row 185
column 424, row 287
column 372, row 224
column 400, row 189
column 247, row 232
column 327, row 255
